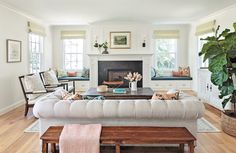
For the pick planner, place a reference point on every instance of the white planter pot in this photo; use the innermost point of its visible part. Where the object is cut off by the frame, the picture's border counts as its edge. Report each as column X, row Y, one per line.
column 133, row 86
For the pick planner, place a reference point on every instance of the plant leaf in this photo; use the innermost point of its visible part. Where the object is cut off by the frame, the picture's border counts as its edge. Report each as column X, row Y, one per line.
column 234, row 25
column 206, row 47
column 225, row 101
column 213, row 51
column 219, row 77
column 217, row 63
column 227, row 88
column 224, row 33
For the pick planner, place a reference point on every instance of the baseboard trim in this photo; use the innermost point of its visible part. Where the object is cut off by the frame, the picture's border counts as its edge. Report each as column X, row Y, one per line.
column 11, row 107
column 213, row 109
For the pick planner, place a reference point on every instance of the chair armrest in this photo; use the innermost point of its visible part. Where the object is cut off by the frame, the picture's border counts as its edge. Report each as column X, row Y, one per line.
column 36, row 92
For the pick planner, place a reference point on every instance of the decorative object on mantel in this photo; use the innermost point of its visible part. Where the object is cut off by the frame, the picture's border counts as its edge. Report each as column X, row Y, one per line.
column 13, row 51
column 120, row 40
column 133, row 79
column 220, row 51
column 144, row 42
column 103, row 45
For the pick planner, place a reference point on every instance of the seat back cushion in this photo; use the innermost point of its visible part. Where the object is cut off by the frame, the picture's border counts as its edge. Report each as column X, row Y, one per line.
column 50, row 78
column 33, row 83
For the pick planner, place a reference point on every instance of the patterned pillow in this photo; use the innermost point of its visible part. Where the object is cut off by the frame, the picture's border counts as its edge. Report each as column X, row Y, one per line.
column 33, row 83
column 70, row 96
column 50, row 77
column 165, row 96
column 176, row 73
column 185, row 71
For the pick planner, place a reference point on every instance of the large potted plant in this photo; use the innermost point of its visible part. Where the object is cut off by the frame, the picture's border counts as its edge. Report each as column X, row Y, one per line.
column 220, row 51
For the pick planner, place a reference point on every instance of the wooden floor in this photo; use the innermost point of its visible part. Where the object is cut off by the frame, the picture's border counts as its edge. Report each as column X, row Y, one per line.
column 14, row 140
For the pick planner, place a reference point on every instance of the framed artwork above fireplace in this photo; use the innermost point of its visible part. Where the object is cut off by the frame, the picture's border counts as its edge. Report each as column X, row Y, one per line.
column 120, row 40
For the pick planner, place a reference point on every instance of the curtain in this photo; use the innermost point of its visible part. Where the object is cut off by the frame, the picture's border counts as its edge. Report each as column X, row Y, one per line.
column 79, row 34
column 36, row 28
column 166, row 34
column 205, row 28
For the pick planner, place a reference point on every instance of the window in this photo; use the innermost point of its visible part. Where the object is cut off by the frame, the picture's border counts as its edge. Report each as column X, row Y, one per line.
column 200, row 45
column 36, row 52
column 73, row 54
column 166, row 54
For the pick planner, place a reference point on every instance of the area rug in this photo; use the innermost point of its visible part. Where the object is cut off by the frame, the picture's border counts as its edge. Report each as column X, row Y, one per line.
column 203, row 126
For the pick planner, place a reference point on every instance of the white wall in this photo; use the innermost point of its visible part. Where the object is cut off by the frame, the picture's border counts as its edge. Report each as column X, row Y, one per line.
column 14, row 26
column 225, row 18
column 139, row 32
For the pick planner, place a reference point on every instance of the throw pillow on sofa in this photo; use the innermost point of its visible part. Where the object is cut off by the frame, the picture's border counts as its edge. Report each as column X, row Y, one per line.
column 165, row 96
column 69, row 96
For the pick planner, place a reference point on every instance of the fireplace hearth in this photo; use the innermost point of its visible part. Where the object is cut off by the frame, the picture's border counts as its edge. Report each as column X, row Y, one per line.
column 116, row 71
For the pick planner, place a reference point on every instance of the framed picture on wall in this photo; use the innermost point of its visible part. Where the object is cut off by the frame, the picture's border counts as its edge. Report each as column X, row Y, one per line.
column 120, row 40
column 13, row 51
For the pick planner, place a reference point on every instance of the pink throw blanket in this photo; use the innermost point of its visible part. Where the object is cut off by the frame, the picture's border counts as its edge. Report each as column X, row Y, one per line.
column 77, row 138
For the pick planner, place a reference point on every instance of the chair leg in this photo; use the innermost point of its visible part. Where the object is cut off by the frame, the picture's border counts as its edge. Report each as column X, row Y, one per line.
column 26, row 109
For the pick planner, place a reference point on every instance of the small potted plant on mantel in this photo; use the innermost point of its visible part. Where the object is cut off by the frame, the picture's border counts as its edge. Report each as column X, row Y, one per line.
column 103, row 45
column 220, row 51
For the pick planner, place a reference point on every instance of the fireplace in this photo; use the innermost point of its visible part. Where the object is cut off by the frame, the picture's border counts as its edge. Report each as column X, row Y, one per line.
column 117, row 70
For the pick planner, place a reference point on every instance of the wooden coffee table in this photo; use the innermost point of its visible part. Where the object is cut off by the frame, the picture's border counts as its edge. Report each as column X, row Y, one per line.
column 130, row 135
column 141, row 93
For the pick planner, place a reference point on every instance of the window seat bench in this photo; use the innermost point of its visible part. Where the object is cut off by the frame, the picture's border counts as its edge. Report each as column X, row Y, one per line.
column 171, row 78
column 166, row 83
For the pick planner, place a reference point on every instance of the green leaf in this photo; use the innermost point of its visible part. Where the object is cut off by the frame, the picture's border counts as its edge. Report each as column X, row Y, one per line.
column 232, row 53
column 227, row 88
column 213, row 51
column 206, row 47
column 224, row 33
column 218, row 78
column 234, row 25
column 225, row 101
column 217, row 63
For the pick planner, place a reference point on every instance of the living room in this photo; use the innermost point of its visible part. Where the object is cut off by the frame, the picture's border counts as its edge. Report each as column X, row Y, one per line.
column 89, row 48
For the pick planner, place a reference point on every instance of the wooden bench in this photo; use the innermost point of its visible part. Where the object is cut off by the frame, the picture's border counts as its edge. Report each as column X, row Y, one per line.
column 129, row 135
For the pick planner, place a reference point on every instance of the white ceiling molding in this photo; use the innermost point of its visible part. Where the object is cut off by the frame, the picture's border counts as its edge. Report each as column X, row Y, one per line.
column 80, row 12
column 19, row 12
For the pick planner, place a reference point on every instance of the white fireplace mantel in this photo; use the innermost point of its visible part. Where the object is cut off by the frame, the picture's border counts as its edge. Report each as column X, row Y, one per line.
column 145, row 57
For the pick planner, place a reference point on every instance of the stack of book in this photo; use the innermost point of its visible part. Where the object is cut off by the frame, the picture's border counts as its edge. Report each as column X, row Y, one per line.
column 119, row 90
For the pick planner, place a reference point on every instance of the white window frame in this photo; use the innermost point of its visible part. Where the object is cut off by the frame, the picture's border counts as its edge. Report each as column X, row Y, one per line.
column 63, row 46
column 40, row 53
column 176, row 55
column 200, row 44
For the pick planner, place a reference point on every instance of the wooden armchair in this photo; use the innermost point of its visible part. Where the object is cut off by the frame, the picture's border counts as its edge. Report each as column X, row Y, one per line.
column 53, row 83
column 31, row 101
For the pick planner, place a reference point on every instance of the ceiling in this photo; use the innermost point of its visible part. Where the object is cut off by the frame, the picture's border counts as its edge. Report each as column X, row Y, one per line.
column 59, row 12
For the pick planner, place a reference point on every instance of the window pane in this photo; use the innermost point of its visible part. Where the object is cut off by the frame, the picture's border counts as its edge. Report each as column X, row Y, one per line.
column 166, row 50
column 200, row 45
column 36, row 50
column 73, row 53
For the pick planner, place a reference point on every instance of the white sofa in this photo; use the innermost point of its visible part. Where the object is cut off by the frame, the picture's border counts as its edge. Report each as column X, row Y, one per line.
column 176, row 113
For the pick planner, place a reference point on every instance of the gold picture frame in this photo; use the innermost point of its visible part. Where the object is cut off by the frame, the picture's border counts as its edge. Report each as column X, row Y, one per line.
column 120, row 40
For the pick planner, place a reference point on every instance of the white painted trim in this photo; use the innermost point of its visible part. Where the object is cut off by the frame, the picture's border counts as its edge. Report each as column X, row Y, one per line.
column 11, row 107
column 215, row 14
column 17, row 11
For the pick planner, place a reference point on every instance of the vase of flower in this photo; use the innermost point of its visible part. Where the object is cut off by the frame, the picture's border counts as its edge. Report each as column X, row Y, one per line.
column 133, row 80
column 133, row 86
